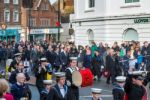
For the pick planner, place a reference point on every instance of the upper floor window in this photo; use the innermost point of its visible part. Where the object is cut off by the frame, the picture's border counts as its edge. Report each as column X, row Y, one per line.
column 7, row 15
column 15, row 1
column 6, row 1
column 44, row 6
column 32, row 22
column 131, row 1
column 15, row 16
column 91, row 3
column 45, row 22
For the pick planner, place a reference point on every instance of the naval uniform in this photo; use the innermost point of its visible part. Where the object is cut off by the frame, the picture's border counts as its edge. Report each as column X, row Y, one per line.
column 74, row 89
column 118, row 92
column 44, row 94
column 59, row 93
column 97, row 99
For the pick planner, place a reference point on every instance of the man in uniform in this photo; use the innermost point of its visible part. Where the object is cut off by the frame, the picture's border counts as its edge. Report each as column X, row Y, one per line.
column 118, row 88
column 41, row 73
column 96, row 93
column 45, row 91
column 134, row 88
column 60, row 91
column 73, row 67
column 16, row 60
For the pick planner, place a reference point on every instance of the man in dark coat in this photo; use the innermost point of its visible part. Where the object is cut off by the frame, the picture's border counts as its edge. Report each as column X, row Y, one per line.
column 110, row 66
column 146, row 52
column 20, row 89
column 64, row 57
column 60, row 91
column 57, row 61
column 73, row 67
column 50, row 55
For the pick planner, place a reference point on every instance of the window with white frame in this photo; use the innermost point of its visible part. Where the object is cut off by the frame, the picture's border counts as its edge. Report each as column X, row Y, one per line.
column 7, row 15
column 131, row 1
column 15, row 1
column 15, row 16
column 6, row 1
column 45, row 22
column 91, row 3
column 32, row 22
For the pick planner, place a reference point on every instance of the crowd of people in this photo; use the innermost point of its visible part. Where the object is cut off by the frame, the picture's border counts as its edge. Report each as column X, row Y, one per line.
column 45, row 60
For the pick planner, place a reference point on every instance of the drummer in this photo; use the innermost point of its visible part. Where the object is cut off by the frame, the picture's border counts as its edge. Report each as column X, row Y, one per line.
column 96, row 93
column 73, row 67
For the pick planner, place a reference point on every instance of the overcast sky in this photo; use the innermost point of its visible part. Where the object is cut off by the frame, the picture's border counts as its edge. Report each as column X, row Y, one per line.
column 52, row 1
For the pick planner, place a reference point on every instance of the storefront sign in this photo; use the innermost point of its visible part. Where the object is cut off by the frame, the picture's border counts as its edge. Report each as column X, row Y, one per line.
column 141, row 20
column 37, row 31
column 45, row 31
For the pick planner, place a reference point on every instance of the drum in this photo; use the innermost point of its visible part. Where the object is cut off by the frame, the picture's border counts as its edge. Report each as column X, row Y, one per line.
column 87, row 77
column 83, row 78
column 76, row 78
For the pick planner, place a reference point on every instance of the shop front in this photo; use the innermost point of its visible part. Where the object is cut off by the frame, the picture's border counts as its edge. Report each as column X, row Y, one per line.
column 9, row 35
column 48, row 34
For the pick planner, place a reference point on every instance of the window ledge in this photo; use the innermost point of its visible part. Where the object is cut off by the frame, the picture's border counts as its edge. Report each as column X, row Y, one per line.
column 131, row 5
column 89, row 10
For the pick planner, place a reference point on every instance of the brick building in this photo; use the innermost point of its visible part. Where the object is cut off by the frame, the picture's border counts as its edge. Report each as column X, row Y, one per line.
column 10, row 15
column 38, row 23
column 67, row 8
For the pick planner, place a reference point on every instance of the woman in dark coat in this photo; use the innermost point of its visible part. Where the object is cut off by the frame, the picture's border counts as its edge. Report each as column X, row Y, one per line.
column 97, row 62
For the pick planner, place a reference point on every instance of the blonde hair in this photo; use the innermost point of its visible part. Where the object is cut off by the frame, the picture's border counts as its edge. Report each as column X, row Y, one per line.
column 4, row 87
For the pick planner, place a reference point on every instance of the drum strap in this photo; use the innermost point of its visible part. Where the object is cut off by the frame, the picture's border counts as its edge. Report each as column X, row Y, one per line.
column 72, row 70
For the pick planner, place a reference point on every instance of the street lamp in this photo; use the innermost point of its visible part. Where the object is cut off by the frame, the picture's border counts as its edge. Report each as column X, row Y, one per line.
column 4, row 26
column 58, row 20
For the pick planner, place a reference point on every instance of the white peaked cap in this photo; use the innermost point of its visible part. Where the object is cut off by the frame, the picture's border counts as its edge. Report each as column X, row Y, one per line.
column 96, row 90
column 60, row 74
column 47, row 81
column 73, row 58
column 120, row 78
column 43, row 59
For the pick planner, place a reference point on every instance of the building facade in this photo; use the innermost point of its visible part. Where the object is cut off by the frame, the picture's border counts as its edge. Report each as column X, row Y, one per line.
column 110, row 20
column 10, row 16
column 39, row 22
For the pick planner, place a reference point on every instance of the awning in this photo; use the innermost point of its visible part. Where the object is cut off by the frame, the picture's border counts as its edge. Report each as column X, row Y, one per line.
column 9, row 32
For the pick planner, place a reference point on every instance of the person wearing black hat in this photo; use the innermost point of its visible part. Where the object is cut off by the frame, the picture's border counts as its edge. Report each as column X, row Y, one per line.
column 16, row 60
column 60, row 91
column 73, row 67
column 45, row 91
column 118, row 88
column 41, row 73
column 134, row 88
